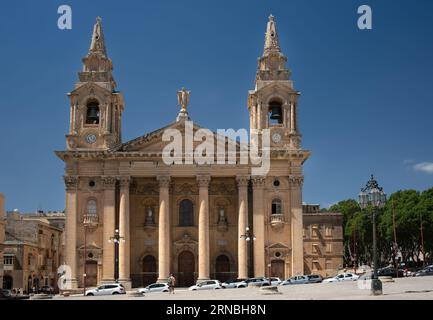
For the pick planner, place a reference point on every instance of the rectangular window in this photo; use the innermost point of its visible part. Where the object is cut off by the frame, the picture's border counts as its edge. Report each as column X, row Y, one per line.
column 329, row 264
column 315, row 248
column 328, row 231
column 8, row 260
column 315, row 231
column 315, row 265
column 329, row 247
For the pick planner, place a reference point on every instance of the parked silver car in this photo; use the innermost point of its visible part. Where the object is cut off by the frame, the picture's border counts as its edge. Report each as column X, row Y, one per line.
column 257, row 282
column 154, row 287
column 295, row 280
column 206, row 285
column 314, row 278
column 107, row 289
column 236, row 283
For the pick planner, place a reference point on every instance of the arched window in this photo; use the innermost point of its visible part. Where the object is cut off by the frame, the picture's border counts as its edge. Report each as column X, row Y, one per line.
column 186, row 213
column 91, row 207
column 92, row 114
column 276, row 206
column 275, row 113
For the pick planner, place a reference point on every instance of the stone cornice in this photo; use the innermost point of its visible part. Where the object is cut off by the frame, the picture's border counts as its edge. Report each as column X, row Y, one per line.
column 292, row 155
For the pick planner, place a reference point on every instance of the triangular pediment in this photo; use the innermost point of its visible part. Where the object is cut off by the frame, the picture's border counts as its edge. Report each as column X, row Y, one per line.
column 91, row 88
column 153, row 143
column 278, row 245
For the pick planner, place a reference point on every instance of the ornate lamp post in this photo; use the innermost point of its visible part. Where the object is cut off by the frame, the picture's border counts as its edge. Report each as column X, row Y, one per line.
column 374, row 196
column 116, row 240
column 248, row 237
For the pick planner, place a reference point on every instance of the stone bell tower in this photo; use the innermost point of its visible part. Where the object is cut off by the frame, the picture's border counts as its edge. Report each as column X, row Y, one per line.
column 95, row 105
column 273, row 102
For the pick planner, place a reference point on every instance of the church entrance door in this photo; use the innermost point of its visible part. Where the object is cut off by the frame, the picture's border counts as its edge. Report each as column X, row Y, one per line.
column 186, row 267
column 277, row 269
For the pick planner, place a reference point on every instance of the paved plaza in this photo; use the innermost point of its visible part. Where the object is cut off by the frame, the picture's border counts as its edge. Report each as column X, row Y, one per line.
column 420, row 288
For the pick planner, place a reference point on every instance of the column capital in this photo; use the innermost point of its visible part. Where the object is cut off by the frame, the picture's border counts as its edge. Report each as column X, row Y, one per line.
column 109, row 182
column 71, row 182
column 164, row 181
column 125, row 181
column 296, row 180
column 242, row 181
column 258, row 181
column 203, row 180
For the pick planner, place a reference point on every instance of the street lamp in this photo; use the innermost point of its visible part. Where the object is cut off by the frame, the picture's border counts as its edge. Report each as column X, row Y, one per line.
column 249, row 236
column 116, row 240
column 374, row 196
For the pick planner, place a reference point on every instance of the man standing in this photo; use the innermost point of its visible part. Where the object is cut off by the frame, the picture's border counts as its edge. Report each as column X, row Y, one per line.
column 171, row 283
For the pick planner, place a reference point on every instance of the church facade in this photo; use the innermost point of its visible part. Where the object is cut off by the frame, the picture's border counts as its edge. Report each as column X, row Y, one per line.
column 133, row 218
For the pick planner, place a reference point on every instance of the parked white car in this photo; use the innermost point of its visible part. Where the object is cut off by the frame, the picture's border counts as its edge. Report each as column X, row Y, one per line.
column 236, row 283
column 342, row 277
column 106, row 289
column 274, row 281
column 154, row 287
column 206, row 285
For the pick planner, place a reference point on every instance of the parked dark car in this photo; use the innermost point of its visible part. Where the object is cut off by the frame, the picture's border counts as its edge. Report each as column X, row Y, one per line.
column 7, row 295
column 390, row 272
column 427, row 271
column 314, row 278
column 47, row 290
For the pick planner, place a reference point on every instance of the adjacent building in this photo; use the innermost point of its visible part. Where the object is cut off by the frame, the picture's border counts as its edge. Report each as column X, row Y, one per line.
column 133, row 218
column 323, row 241
column 2, row 235
column 32, row 250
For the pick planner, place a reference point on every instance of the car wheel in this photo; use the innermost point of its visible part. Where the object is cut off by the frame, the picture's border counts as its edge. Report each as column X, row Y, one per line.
column 115, row 292
column 165, row 290
column 241, row 287
column 89, row 294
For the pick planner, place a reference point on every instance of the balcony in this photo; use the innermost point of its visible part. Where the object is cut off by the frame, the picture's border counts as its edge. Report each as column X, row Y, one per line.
column 277, row 220
column 90, row 220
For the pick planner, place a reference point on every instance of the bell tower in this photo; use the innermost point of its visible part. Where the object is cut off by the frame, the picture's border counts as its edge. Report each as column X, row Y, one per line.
column 273, row 102
column 95, row 105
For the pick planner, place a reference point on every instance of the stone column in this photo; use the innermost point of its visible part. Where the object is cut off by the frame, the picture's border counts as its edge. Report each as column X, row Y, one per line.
column 259, row 225
column 285, row 115
column 108, row 256
column 297, row 226
column 203, row 227
column 71, row 183
column 164, row 229
column 293, row 117
column 124, row 245
column 242, row 225
column 259, row 116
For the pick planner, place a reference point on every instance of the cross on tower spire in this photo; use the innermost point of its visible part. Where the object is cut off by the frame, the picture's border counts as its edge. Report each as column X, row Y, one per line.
column 98, row 43
column 271, row 36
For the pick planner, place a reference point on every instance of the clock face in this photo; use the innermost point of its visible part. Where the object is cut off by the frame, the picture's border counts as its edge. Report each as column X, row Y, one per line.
column 91, row 138
column 276, row 137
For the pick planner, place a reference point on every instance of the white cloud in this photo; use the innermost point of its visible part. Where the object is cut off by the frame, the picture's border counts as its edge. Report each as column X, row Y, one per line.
column 426, row 167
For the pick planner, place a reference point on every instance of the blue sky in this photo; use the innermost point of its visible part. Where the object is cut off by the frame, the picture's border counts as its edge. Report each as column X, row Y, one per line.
column 366, row 104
